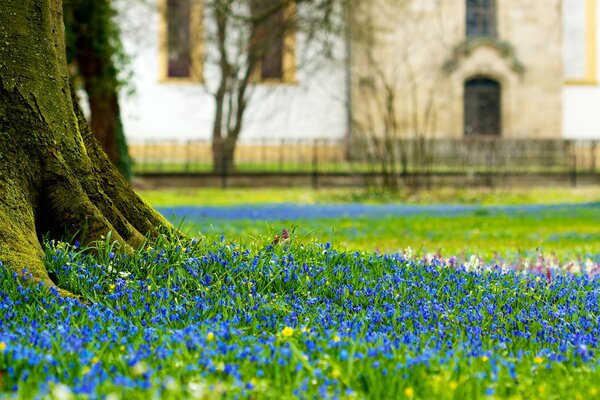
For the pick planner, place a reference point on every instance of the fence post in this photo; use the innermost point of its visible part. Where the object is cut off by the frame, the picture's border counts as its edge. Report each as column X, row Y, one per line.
column 224, row 167
column 143, row 166
column 491, row 163
column 188, row 156
column 573, row 164
column 281, row 156
column 315, row 164
column 593, row 157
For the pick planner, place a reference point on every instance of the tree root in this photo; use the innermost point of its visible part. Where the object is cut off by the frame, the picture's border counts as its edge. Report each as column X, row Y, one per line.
column 55, row 178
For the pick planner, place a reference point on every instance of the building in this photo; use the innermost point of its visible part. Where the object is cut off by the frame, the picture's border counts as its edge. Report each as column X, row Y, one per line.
column 416, row 69
column 175, row 72
column 581, row 92
column 459, row 68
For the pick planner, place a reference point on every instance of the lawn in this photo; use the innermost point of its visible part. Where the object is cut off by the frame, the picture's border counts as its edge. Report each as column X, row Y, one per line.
column 489, row 224
column 217, row 320
column 247, row 316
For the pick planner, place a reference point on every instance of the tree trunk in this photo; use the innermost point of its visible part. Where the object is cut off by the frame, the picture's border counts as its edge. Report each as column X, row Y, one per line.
column 93, row 51
column 103, row 124
column 223, row 151
column 54, row 175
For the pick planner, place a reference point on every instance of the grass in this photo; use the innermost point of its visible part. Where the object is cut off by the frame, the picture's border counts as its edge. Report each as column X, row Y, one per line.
column 217, row 320
column 565, row 232
column 513, row 196
column 244, row 317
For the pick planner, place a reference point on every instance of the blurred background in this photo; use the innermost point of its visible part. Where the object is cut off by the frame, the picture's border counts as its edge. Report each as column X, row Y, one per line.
column 342, row 92
column 369, row 101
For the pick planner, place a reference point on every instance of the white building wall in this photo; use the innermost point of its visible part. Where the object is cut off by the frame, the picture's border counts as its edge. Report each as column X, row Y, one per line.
column 581, row 101
column 314, row 107
column 581, row 111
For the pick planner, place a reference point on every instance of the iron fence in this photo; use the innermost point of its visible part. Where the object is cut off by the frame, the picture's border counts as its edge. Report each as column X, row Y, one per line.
column 372, row 158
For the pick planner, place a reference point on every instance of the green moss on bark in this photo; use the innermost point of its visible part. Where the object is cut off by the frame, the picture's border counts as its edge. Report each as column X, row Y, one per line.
column 54, row 176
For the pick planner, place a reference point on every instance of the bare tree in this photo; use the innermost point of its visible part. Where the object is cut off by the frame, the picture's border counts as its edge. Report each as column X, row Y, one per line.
column 254, row 41
column 395, row 102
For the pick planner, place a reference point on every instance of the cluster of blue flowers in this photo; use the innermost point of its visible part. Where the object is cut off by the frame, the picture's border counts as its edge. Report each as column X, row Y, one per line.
column 291, row 211
column 214, row 319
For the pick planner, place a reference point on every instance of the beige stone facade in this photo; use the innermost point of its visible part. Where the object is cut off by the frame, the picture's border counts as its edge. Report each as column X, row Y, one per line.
column 411, row 60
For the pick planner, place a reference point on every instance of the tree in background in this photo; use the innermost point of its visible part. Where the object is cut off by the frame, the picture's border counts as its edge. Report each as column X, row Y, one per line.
column 254, row 41
column 54, row 175
column 95, row 54
column 396, row 104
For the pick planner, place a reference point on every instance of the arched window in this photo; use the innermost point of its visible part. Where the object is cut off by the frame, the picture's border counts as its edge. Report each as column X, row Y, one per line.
column 482, row 107
column 481, row 18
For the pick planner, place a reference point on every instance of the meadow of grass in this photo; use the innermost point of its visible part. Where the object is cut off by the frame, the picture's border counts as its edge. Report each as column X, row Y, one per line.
column 236, row 196
column 568, row 230
column 247, row 316
column 565, row 233
column 208, row 320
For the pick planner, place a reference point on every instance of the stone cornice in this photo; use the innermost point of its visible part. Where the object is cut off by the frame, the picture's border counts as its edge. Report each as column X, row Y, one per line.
column 467, row 47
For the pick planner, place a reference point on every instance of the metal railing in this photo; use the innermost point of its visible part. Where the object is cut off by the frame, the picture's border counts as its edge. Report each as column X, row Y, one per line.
column 373, row 157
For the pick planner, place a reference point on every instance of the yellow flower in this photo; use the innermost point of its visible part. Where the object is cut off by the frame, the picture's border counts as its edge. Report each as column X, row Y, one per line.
column 453, row 385
column 305, row 329
column 336, row 338
column 287, row 331
column 542, row 389
column 86, row 370
column 335, row 373
column 112, row 287
column 409, row 392
column 2, row 346
column 485, row 358
column 122, row 348
column 538, row 360
column 210, row 336
column 95, row 360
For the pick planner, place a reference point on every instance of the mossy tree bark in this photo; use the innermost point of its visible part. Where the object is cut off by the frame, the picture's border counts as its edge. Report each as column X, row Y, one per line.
column 54, row 176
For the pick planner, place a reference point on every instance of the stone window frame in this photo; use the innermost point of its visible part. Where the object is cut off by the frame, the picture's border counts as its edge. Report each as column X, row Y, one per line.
column 196, row 26
column 484, row 14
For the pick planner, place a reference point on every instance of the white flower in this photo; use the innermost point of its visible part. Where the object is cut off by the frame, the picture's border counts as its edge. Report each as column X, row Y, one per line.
column 139, row 368
column 171, row 385
column 473, row 263
column 61, row 392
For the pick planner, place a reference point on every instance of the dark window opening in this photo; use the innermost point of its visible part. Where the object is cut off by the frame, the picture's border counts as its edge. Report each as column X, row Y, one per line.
column 179, row 43
column 481, row 18
column 482, row 107
column 268, row 38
